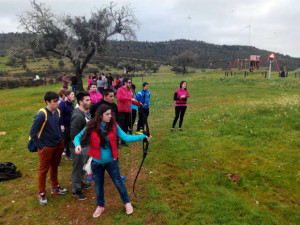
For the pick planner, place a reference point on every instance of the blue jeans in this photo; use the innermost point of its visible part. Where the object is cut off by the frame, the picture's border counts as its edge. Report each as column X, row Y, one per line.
column 114, row 173
column 74, row 89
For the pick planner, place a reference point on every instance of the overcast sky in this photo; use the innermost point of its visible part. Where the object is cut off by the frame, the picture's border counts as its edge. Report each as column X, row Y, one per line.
column 274, row 24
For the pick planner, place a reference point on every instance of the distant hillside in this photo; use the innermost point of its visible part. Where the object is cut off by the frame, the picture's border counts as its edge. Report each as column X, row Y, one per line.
column 162, row 52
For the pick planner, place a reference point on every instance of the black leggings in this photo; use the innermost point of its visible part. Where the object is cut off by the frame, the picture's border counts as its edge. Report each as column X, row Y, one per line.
column 132, row 120
column 179, row 110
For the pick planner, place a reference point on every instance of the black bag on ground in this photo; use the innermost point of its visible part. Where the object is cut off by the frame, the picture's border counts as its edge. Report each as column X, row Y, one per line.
column 8, row 171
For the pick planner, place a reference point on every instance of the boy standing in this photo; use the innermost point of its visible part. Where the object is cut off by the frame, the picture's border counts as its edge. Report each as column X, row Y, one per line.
column 50, row 145
column 79, row 119
column 143, row 96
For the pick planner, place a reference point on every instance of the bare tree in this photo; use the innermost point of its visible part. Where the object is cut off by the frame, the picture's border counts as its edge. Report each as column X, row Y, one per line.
column 77, row 38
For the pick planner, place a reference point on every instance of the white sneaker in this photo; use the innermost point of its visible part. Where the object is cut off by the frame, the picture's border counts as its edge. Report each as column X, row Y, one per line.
column 98, row 211
column 129, row 209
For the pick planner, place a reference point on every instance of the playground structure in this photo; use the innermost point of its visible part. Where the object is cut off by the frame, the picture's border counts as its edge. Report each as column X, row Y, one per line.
column 272, row 57
column 241, row 64
column 254, row 63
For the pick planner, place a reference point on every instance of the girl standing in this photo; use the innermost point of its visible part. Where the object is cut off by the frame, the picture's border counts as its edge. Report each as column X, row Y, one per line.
column 180, row 96
column 66, row 108
column 103, row 132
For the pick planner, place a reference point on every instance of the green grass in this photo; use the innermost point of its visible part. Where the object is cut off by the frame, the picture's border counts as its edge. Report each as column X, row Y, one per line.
column 249, row 127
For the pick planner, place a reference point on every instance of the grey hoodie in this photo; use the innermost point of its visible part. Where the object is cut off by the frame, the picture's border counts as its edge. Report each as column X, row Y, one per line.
column 79, row 120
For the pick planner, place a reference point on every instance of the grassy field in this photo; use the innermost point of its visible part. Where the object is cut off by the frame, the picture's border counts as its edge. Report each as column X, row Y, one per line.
column 236, row 162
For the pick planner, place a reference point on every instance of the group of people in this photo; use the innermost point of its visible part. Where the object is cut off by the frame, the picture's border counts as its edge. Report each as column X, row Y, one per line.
column 102, row 82
column 65, row 82
column 93, row 129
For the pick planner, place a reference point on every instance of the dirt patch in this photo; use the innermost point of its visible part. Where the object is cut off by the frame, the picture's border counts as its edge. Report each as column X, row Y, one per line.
column 233, row 177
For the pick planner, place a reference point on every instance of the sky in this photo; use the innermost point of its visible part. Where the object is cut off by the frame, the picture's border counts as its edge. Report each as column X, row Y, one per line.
column 272, row 25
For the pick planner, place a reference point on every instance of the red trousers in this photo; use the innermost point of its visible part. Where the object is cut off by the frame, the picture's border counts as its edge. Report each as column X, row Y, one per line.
column 49, row 158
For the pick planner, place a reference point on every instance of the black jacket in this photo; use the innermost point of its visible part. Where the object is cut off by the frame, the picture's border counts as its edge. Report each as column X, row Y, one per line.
column 113, row 106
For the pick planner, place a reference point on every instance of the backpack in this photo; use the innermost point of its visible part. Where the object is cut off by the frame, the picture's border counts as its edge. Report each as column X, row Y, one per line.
column 31, row 146
column 8, row 171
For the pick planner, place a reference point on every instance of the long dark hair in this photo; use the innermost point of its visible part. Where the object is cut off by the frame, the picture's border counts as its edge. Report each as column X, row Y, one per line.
column 181, row 83
column 95, row 125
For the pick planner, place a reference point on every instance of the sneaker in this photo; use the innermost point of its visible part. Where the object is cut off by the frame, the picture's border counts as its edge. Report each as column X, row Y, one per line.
column 140, row 132
column 98, row 211
column 79, row 195
column 180, row 129
column 63, row 153
column 123, row 178
column 59, row 191
column 42, row 199
column 172, row 130
column 129, row 209
column 125, row 143
column 68, row 158
column 86, row 186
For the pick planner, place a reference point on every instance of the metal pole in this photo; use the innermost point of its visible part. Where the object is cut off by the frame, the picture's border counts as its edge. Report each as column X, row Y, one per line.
column 270, row 67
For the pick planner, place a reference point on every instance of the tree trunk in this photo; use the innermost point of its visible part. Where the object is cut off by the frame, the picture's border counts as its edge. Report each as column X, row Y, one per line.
column 79, row 79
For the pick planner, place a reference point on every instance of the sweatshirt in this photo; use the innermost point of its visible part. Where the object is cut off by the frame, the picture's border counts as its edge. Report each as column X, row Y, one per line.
column 95, row 96
column 124, row 98
column 113, row 106
column 51, row 135
column 66, row 108
column 79, row 120
column 181, row 101
column 65, row 81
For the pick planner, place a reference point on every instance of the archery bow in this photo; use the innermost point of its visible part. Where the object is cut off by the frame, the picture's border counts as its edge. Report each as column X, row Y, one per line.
column 145, row 151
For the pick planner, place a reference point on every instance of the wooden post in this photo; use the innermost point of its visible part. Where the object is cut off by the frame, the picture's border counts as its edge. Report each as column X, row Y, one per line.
column 6, row 83
column 45, row 81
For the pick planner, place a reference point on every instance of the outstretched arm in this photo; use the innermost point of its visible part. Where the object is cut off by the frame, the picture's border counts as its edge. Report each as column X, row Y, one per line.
column 129, row 138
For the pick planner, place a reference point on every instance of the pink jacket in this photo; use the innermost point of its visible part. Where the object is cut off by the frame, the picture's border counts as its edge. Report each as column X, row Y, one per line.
column 181, row 101
column 124, row 98
column 90, row 81
column 95, row 96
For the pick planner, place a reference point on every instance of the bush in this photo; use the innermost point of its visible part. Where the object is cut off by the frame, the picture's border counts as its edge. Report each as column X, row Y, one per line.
column 177, row 69
column 13, row 84
column 101, row 66
column 91, row 70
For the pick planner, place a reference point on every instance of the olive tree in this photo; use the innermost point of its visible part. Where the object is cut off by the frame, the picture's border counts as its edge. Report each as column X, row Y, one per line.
column 180, row 62
column 77, row 38
column 16, row 57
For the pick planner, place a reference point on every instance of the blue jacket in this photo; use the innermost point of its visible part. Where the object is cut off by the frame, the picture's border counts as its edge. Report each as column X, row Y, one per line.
column 134, row 107
column 66, row 108
column 144, row 97
column 51, row 135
